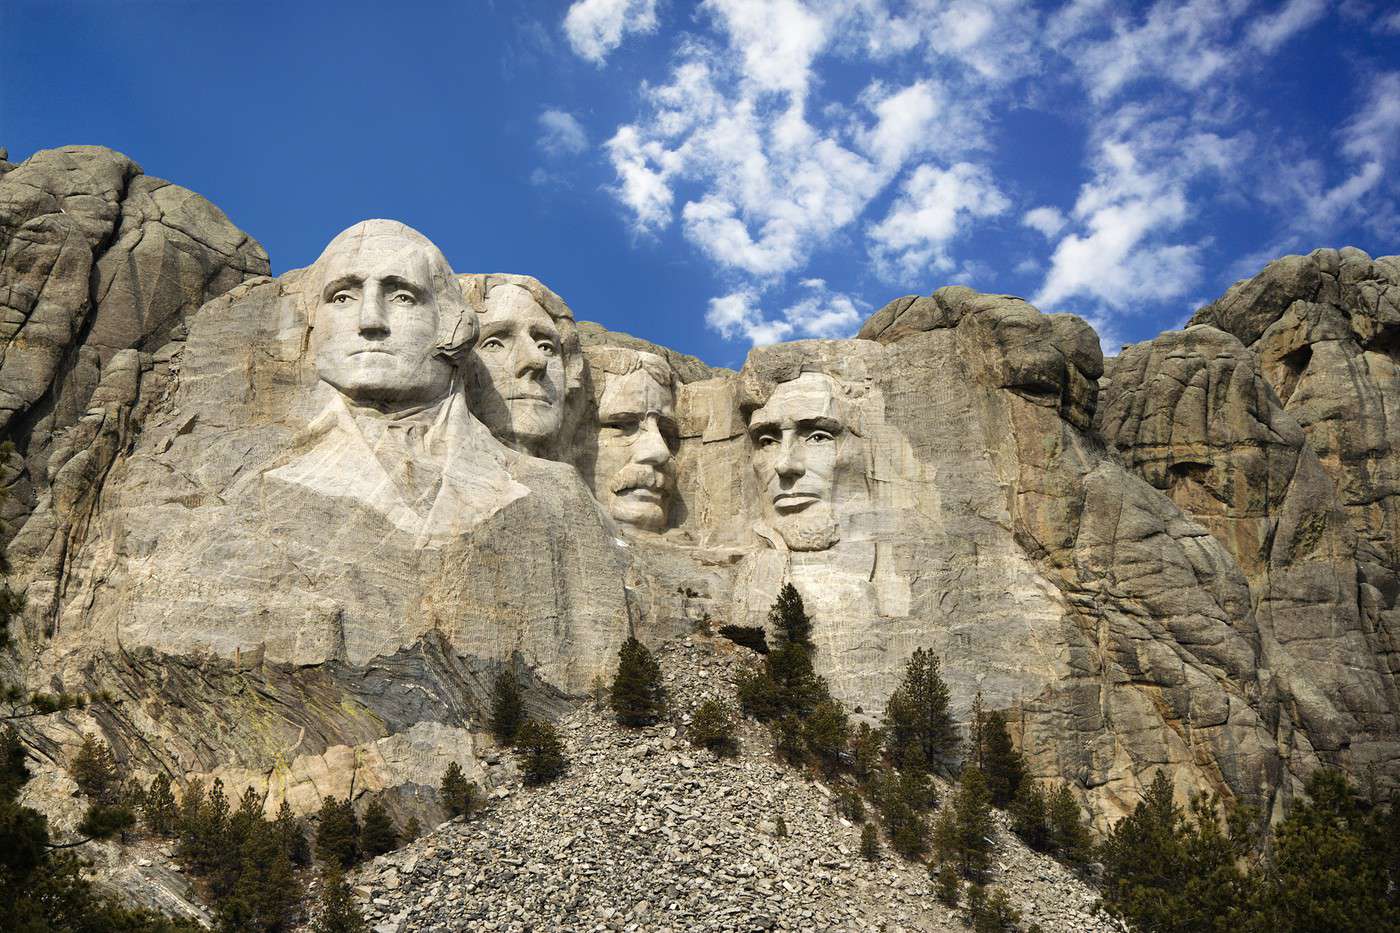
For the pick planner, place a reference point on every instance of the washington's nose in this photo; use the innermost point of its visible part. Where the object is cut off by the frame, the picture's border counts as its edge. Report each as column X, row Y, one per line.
column 374, row 318
column 789, row 463
column 651, row 447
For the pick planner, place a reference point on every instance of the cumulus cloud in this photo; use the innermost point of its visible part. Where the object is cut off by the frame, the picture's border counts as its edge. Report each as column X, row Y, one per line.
column 596, row 27
column 561, row 134
column 1048, row 221
column 932, row 208
column 819, row 312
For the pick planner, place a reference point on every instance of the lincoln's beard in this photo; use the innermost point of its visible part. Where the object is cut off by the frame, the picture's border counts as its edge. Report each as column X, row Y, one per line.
column 812, row 529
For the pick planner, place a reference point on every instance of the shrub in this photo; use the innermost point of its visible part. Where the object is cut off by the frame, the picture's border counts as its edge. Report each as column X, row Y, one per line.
column 94, row 769
column 637, row 696
column 713, row 727
column 850, row 805
column 947, row 885
column 748, row 636
column 377, row 832
column 991, row 913
column 460, row 797
column 412, row 829
column 869, row 842
column 787, row 739
column 507, row 710
column 825, row 733
column 866, row 743
column 338, row 911
column 542, row 754
column 780, row 829
column 919, row 729
column 337, row 834
column 758, row 693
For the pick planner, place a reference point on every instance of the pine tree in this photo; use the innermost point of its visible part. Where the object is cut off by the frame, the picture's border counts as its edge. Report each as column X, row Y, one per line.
column 902, row 801
column 291, row 836
column 963, row 834
column 865, row 747
column 1331, row 863
column 412, row 830
column 159, row 809
column 637, row 696
column 377, row 832
column 1068, row 836
column 338, row 911
column 460, row 797
column 947, row 884
column 787, row 739
column 790, row 665
column 94, row 770
column 1003, row 765
column 265, row 895
column 507, row 708
column 541, row 751
column 825, row 733
column 1030, row 818
column 337, row 834
column 869, row 842
column 712, row 727
column 919, row 729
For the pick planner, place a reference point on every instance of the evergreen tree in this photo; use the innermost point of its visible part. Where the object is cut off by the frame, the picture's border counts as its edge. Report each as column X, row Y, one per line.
column 159, row 809
column 338, row 911
column 990, row 913
column 918, row 727
column 507, row 708
column 1331, row 866
column 869, row 842
column 1003, row 765
column 637, row 696
column 460, row 797
column 790, row 664
column 850, row 805
column 947, row 884
column 963, row 834
column 758, row 693
column 1068, row 836
column 337, row 834
column 291, row 836
column 902, row 801
column 712, row 726
column 94, row 770
column 412, row 830
column 1030, row 817
column 825, row 733
column 865, row 748
column 780, row 829
column 541, row 751
column 264, row 896
column 787, row 739
column 377, row 832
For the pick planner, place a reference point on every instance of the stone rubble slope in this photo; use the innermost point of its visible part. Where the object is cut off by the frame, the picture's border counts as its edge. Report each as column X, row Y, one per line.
column 648, row 833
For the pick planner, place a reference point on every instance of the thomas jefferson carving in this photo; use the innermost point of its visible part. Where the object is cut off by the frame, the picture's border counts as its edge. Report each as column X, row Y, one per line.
column 630, row 470
column 525, row 364
column 389, row 329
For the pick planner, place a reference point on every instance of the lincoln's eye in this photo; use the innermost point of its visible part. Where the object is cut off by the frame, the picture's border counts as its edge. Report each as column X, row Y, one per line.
column 492, row 343
column 547, row 347
column 767, row 440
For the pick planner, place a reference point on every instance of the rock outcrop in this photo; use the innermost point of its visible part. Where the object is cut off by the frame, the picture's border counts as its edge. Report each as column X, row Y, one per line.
column 293, row 534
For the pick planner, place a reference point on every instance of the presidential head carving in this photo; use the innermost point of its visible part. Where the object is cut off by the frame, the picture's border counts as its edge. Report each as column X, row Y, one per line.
column 389, row 323
column 803, row 452
column 525, row 362
column 634, row 404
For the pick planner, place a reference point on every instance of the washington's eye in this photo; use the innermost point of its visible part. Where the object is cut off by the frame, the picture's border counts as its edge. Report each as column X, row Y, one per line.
column 403, row 298
column 492, row 343
column 341, row 298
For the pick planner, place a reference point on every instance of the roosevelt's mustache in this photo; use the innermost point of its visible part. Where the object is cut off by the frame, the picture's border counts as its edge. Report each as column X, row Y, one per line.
column 638, row 476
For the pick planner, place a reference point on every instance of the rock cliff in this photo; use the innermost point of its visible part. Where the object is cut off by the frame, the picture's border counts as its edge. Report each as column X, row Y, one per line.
column 293, row 526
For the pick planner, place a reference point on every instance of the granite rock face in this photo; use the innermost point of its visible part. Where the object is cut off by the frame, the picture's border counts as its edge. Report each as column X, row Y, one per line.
column 96, row 258
column 296, row 532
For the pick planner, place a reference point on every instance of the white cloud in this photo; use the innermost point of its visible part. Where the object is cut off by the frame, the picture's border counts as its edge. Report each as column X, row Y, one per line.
column 820, row 313
column 1049, row 221
column 1271, row 31
column 643, row 169
column 596, row 27
column 778, row 39
column 932, row 208
column 904, row 123
column 561, row 134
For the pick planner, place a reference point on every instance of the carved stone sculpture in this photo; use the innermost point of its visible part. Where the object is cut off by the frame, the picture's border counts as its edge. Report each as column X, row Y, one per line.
column 526, row 363
column 629, row 462
column 803, row 453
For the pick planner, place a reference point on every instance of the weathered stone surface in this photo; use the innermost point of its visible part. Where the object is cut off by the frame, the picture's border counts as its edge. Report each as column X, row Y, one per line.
column 95, row 258
column 297, row 540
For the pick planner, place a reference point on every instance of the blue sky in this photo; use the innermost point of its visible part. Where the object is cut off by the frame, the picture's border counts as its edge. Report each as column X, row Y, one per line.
column 713, row 174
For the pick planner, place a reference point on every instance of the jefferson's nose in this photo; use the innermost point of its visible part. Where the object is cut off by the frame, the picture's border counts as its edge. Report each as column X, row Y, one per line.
column 529, row 358
column 651, row 447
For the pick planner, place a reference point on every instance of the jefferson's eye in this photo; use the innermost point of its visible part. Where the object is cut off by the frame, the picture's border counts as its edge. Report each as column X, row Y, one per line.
column 492, row 343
